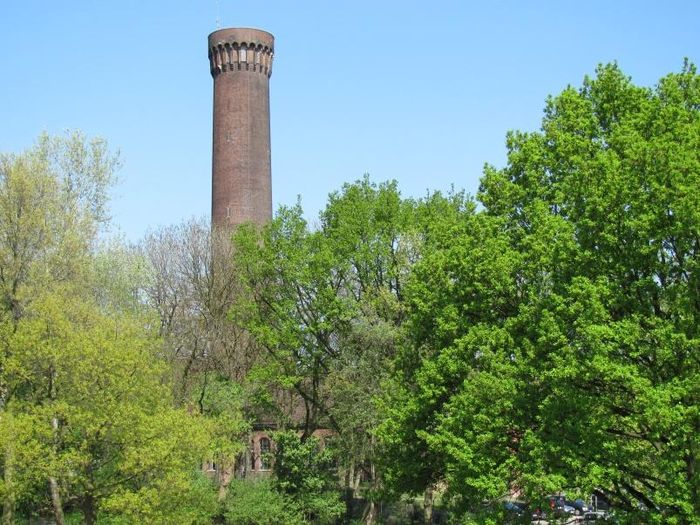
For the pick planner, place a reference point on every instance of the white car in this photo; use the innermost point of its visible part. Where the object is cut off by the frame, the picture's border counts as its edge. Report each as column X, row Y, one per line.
column 595, row 516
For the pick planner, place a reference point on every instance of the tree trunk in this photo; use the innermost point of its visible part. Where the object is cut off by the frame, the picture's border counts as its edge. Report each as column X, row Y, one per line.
column 428, row 506
column 356, row 485
column 225, row 474
column 354, row 481
column 54, row 488
column 348, row 492
column 56, row 501
column 89, row 510
column 691, row 471
column 371, row 517
column 8, row 505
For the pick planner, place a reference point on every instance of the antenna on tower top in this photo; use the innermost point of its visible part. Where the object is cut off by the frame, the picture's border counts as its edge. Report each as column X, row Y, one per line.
column 218, row 14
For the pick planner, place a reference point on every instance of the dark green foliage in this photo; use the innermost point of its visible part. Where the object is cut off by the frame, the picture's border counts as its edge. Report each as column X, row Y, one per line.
column 259, row 503
column 303, row 487
column 304, row 471
column 554, row 334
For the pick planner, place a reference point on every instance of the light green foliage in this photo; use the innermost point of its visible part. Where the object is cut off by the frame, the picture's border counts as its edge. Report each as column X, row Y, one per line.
column 555, row 333
column 53, row 199
column 326, row 307
column 120, row 445
column 52, row 203
column 84, row 407
column 187, row 498
column 221, row 403
column 118, row 276
column 289, row 305
column 26, row 455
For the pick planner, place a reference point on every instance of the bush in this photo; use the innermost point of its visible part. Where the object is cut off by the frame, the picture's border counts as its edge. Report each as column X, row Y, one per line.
column 305, row 472
column 258, row 503
column 188, row 500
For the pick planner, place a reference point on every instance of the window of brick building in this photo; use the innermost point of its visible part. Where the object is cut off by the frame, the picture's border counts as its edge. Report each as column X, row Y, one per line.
column 265, row 462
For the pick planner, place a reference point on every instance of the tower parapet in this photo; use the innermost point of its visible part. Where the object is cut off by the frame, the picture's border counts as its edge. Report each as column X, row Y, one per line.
column 241, row 49
column 240, row 61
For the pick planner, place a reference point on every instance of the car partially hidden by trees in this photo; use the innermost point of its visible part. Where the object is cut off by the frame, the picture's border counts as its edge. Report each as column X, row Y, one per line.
column 559, row 506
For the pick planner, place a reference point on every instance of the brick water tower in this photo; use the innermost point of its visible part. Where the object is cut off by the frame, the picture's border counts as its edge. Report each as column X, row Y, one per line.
column 241, row 64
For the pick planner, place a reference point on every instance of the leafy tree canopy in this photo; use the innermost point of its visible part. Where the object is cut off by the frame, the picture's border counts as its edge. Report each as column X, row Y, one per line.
column 554, row 333
column 87, row 419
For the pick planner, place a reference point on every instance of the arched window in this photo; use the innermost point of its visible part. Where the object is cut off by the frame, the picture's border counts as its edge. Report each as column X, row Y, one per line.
column 265, row 454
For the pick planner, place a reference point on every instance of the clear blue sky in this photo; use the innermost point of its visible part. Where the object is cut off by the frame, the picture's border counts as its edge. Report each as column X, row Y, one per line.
column 421, row 92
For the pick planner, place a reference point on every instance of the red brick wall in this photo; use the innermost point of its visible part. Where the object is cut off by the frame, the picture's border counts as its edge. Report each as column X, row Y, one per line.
column 241, row 64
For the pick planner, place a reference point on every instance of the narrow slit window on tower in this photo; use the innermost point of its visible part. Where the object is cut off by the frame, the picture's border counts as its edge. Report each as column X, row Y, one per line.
column 243, row 54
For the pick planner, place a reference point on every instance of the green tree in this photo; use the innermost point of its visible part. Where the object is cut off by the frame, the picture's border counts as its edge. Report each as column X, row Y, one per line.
column 326, row 306
column 52, row 203
column 290, row 307
column 117, row 443
column 371, row 231
column 555, row 338
column 258, row 502
column 221, row 403
column 86, row 416
column 304, row 471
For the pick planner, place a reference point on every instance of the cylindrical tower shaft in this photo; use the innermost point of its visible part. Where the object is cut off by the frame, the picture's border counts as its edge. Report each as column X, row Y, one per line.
column 241, row 64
